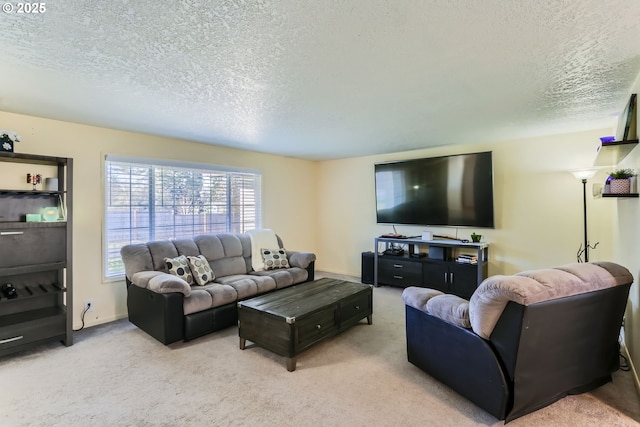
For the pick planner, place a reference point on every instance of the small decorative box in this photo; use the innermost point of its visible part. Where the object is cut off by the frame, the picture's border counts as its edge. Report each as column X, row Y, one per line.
column 6, row 145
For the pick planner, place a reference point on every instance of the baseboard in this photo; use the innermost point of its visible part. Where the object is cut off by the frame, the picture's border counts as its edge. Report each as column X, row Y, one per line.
column 103, row 320
column 632, row 368
column 333, row 275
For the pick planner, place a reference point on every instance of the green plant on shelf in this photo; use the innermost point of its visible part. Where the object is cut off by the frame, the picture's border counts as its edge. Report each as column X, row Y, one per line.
column 622, row 174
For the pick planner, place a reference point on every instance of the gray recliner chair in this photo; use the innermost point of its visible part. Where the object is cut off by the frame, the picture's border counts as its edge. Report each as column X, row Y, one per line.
column 525, row 341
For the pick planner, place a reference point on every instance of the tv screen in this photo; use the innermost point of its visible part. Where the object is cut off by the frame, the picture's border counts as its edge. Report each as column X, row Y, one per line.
column 449, row 190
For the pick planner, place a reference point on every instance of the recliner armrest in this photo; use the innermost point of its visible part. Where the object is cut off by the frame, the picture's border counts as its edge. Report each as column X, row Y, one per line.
column 161, row 283
column 300, row 259
column 418, row 297
column 450, row 308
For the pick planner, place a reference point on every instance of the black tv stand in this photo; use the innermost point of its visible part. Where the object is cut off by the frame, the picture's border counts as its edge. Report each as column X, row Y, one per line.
column 439, row 270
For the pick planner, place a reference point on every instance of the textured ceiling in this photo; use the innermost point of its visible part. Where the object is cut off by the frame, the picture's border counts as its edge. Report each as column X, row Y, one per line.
column 323, row 79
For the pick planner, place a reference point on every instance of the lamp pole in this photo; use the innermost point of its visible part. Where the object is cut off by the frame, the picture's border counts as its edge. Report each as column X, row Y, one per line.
column 583, row 175
column 584, row 205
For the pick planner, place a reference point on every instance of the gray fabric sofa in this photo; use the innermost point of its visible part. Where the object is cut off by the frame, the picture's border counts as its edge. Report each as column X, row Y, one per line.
column 524, row 341
column 170, row 309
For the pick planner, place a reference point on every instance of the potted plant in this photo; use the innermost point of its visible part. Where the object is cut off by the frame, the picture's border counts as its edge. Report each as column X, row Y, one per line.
column 619, row 182
column 476, row 237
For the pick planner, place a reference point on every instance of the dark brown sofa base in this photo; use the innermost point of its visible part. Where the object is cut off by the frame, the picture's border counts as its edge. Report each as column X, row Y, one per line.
column 161, row 315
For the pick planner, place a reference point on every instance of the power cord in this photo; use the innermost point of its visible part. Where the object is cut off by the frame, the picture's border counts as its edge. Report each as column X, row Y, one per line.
column 624, row 363
column 82, row 317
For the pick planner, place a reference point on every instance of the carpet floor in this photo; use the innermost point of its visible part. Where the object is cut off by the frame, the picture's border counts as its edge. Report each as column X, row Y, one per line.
column 116, row 375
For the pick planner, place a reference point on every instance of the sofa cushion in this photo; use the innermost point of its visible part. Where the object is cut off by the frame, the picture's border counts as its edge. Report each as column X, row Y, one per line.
column 284, row 277
column 186, row 247
column 160, row 250
column 224, row 253
column 210, row 246
column 136, row 257
column 202, row 273
column 243, row 284
column 256, row 285
column 274, row 258
column 220, row 294
column 264, row 283
column 179, row 266
column 199, row 300
column 228, row 266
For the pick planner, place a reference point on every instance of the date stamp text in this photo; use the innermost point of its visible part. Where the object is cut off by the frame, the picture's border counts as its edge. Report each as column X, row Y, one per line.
column 24, row 8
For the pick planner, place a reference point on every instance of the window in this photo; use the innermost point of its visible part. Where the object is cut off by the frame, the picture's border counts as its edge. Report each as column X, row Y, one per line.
column 146, row 201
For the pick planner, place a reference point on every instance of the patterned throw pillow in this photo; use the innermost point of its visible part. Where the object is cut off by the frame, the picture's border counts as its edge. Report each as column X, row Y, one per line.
column 275, row 258
column 201, row 270
column 179, row 267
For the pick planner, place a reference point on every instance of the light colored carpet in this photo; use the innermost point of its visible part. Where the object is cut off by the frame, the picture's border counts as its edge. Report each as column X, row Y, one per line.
column 116, row 375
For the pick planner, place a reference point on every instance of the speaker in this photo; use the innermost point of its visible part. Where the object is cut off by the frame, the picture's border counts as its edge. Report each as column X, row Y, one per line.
column 367, row 268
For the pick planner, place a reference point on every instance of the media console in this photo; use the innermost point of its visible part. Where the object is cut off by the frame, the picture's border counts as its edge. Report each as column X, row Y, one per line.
column 440, row 269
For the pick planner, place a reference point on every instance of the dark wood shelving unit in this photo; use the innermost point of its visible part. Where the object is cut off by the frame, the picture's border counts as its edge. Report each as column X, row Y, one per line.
column 36, row 258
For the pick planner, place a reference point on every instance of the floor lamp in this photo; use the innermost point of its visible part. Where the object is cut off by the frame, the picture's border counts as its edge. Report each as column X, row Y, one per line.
column 584, row 175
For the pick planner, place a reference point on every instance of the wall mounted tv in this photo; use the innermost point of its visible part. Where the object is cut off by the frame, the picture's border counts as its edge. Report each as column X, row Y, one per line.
column 438, row 191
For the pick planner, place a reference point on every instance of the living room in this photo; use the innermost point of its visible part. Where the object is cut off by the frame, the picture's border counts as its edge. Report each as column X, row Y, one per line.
column 328, row 205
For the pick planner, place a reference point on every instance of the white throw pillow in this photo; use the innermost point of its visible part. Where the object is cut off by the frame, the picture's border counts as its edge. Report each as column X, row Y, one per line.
column 274, row 258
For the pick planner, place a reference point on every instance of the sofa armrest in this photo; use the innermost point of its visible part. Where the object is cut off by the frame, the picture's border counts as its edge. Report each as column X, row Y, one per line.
column 161, row 283
column 418, row 297
column 450, row 308
column 300, row 259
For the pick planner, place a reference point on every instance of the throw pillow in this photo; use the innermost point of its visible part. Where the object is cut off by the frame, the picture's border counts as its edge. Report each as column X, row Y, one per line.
column 178, row 266
column 201, row 270
column 275, row 258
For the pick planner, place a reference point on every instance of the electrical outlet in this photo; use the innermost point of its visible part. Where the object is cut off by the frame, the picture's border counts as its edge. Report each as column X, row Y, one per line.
column 88, row 305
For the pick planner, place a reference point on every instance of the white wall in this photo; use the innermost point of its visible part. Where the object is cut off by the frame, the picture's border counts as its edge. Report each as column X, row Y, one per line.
column 538, row 204
column 288, row 191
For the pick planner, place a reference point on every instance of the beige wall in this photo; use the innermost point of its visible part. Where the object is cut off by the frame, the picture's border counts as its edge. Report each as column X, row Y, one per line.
column 627, row 235
column 288, row 192
column 538, row 204
column 329, row 207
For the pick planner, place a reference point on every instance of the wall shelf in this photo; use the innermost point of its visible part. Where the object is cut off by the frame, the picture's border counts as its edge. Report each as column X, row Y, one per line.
column 627, row 195
column 612, row 153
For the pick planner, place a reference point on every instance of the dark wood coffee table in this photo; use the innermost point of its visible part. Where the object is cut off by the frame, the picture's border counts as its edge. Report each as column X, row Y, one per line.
column 291, row 320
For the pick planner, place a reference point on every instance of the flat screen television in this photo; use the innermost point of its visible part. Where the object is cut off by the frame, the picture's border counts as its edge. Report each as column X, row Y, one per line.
column 452, row 190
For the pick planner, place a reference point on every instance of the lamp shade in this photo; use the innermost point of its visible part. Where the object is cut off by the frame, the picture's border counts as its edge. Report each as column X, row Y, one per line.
column 584, row 173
